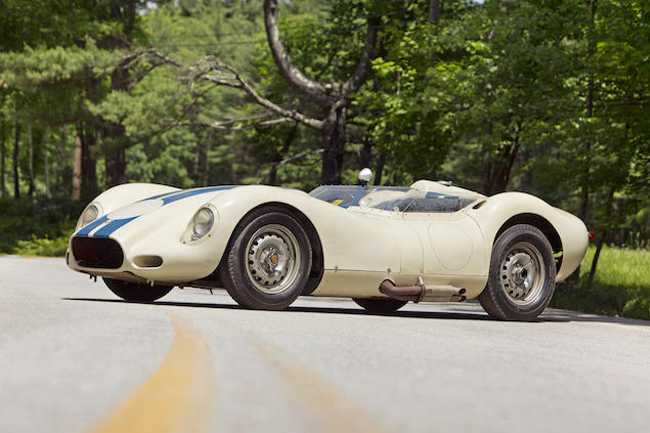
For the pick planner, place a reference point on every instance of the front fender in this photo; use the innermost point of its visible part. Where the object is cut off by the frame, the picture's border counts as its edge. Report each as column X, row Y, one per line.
column 121, row 195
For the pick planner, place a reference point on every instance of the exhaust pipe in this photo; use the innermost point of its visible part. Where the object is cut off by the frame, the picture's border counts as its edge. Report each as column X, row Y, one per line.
column 422, row 293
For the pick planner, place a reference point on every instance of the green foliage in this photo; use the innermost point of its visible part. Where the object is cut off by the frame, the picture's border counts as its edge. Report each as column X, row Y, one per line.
column 36, row 66
column 621, row 287
column 27, row 227
column 44, row 247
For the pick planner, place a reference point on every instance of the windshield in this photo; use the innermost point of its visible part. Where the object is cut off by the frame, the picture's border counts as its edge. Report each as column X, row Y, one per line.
column 390, row 198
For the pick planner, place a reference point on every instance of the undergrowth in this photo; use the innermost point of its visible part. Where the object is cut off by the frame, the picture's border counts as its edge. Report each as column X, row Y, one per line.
column 621, row 285
column 37, row 227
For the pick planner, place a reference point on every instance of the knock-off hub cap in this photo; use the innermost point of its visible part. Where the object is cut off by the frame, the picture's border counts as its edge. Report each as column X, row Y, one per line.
column 272, row 254
column 521, row 273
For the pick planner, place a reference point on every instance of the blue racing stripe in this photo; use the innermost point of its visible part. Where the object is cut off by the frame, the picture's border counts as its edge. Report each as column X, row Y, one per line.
column 109, row 228
column 85, row 230
column 164, row 194
column 192, row 192
column 167, row 198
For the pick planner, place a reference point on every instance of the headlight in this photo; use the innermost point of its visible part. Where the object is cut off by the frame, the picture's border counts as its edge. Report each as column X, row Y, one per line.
column 89, row 215
column 202, row 222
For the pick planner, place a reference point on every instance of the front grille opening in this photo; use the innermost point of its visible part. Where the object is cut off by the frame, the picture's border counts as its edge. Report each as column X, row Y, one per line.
column 100, row 253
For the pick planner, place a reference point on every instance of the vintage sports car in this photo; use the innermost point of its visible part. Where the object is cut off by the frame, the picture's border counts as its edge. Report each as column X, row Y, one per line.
column 381, row 246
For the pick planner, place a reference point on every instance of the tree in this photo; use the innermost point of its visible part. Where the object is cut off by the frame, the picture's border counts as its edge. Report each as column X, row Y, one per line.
column 331, row 98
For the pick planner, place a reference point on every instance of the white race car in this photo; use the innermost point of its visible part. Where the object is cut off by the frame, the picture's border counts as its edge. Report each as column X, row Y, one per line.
column 381, row 246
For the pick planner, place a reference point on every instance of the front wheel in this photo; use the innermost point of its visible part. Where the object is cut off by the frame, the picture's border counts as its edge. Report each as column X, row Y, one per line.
column 380, row 306
column 268, row 261
column 135, row 292
column 521, row 281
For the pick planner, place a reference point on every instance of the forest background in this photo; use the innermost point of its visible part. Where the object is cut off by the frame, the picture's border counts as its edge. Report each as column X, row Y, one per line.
column 550, row 97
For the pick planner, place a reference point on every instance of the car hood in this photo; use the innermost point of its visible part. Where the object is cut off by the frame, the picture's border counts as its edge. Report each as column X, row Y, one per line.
column 152, row 213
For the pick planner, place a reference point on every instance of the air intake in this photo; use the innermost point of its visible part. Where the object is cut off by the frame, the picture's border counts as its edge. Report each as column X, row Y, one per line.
column 100, row 253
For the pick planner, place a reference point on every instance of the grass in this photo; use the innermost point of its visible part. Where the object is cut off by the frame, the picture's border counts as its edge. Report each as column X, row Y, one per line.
column 621, row 285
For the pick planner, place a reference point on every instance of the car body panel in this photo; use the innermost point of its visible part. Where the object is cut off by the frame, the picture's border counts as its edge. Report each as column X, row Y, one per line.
column 361, row 246
column 499, row 208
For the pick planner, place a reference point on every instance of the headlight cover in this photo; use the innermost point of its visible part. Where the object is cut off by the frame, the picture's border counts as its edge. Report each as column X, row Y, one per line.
column 90, row 214
column 202, row 222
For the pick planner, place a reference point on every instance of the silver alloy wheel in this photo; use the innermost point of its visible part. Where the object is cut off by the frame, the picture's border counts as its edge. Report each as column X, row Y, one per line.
column 522, row 273
column 272, row 258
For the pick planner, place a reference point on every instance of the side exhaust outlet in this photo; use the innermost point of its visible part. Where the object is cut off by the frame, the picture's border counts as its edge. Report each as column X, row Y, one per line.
column 423, row 293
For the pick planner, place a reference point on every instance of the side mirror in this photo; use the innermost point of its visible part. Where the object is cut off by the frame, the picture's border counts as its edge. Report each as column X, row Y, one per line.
column 365, row 175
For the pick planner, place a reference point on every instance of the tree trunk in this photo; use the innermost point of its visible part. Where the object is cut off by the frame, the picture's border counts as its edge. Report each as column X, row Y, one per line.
column 365, row 155
column 2, row 167
column 208, row 148
column 589, row 107
column 16, row 175
column 584, row 190
column 76, row 170
column 30, row 160
column 46, row 159
column 115, row 155
column 115, row 133
column 583, row 209
column 89, row 138
column 115, row 164
column 58, row 166
column 334, row 146
column 88, row 132
column 273, row 174
column 601, row 239
column 496, row 174
column 486, row 180
column 434, row 11
column 505, row 170
column 379, row 170
column 527, row 177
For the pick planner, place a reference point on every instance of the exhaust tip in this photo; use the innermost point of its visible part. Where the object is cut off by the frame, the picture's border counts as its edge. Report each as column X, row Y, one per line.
column 462, row 291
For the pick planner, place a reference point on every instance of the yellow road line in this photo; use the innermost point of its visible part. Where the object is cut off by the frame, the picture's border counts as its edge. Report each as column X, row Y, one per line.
column 330, row 407
column 177, row 397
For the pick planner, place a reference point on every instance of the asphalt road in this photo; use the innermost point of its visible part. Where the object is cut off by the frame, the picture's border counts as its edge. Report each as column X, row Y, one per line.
column 73, row 358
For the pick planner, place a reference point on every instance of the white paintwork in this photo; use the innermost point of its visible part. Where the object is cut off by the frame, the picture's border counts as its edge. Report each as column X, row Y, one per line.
column 451, row 244
column 361, row 246
column 136, row 209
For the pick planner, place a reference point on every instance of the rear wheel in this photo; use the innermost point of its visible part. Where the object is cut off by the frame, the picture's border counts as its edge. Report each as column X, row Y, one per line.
column 376, row 305
column 522, row 275
column 135, row 292
column 268, row 262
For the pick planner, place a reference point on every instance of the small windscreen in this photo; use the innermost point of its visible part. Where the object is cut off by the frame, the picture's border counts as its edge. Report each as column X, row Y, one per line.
column 394, row 199
column 343, row 196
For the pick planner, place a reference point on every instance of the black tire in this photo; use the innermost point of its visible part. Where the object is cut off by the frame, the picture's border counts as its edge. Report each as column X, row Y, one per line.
column 268, row 260
column 380, row 306
column 134, row 292
column 521, row 281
